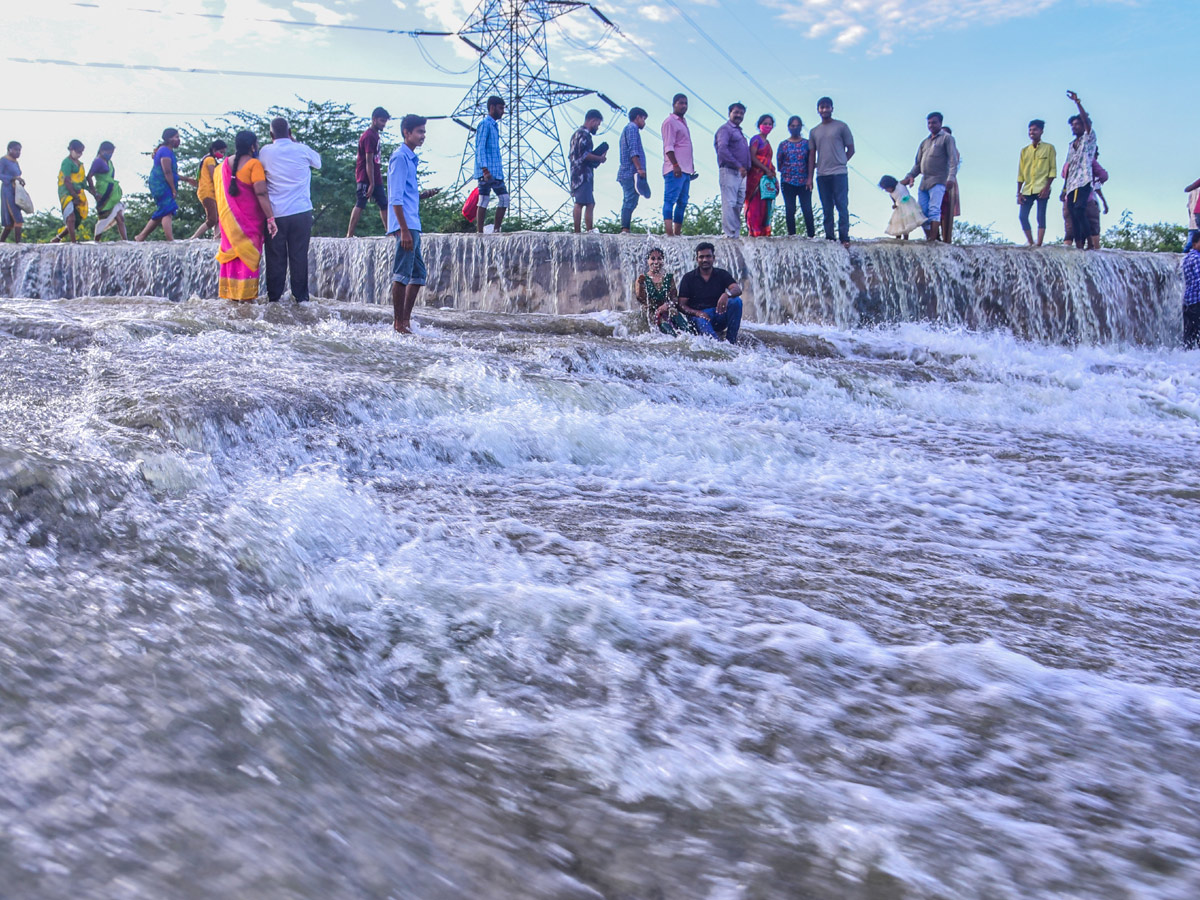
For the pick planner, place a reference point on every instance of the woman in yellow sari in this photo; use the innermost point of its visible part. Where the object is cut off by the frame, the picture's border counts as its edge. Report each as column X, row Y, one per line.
column 245, row 217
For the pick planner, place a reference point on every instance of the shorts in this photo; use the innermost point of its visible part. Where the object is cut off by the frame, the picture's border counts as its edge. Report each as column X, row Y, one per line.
column 485, row 191
column 409, row 265
column 363, row 195
column 584, row 195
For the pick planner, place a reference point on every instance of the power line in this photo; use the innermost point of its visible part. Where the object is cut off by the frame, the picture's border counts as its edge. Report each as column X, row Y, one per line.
column 428, row 57
column 106, row 112
column 733, row 62
column 294, row 22
column 669, row 73
column 233, row 72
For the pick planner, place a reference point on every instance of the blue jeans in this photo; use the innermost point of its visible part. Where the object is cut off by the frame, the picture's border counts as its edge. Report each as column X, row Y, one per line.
column 630, row 201
column 729, row 321
column 835, row 191
column 931, row 202
column 675, row 196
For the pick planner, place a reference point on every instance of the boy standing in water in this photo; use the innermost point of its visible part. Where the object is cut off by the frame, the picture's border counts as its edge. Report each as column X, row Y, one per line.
column 1191, row 295
column 404, row 221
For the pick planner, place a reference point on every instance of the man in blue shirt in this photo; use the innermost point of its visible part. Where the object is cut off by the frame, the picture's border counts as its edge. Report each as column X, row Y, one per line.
column 404, row 221
column 631, row 170
column 1191, row 295
column 489, row 166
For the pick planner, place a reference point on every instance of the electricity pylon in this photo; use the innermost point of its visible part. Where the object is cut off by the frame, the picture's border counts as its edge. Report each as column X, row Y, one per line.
column 510, row 38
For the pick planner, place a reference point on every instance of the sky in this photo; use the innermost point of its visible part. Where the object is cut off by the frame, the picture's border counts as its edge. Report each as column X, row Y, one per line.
column 988, row 65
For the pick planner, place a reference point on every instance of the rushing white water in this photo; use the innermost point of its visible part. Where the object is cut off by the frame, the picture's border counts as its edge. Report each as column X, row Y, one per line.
column 1053, row 294
column 295, row 608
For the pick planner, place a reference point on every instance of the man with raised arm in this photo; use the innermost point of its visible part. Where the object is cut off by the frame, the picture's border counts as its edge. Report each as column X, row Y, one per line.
column 489, row 165
column 831, row 145
column 937, row 164
column 710, row 297
column 1079, row 176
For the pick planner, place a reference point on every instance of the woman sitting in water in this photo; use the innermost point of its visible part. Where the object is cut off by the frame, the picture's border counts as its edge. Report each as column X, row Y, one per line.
column 245, row 216
column 659, row 296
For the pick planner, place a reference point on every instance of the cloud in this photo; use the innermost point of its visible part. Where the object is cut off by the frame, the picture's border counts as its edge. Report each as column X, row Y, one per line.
column 886, row 23
column 322, row 15
column 656, row 14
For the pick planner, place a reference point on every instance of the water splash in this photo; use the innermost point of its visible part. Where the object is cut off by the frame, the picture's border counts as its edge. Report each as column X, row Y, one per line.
column 1053, row 295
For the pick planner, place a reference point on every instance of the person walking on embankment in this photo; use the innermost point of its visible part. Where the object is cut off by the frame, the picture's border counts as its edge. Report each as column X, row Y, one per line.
column 102, row 182
column 11, row 218
column 1191, row 295
column 489, row 166
column 368, row 172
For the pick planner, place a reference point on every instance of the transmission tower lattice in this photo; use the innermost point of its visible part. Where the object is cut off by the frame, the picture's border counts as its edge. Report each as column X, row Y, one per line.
column 510, row 37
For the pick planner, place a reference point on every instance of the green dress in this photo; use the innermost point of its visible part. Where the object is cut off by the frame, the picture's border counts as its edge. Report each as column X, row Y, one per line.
column 108, row 191
column 658, row 294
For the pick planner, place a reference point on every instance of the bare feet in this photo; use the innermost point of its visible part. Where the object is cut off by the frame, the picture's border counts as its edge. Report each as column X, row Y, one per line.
column 402, row 327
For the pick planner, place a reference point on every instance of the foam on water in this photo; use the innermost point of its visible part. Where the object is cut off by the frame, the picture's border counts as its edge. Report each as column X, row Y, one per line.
column 298, row 609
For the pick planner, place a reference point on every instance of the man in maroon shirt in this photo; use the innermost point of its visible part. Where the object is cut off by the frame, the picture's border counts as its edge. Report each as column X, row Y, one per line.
column 368, row 175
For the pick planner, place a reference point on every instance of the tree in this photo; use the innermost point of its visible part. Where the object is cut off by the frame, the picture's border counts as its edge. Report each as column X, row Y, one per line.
column 1161, row 237
column 967, row 234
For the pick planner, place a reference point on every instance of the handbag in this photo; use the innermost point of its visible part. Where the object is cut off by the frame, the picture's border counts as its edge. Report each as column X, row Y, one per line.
column 471, row 206
column 22, row 198
column 768, row 187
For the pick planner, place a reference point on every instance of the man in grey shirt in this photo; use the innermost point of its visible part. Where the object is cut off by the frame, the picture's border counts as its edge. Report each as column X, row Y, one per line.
column 937, row 164
column 830, row 147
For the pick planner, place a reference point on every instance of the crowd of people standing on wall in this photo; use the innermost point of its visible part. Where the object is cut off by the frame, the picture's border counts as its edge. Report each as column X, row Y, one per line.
column 752, row 177
column 259, row 201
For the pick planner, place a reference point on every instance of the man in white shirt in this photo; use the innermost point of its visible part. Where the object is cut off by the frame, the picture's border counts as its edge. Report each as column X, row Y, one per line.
column 288, row 165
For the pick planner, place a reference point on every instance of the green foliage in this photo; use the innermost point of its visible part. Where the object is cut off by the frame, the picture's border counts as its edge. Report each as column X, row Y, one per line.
column 967, row 234
column 43, row 226
column 1161, row 237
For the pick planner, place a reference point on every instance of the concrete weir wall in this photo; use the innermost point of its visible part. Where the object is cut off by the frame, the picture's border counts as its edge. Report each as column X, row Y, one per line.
column 1053, row 294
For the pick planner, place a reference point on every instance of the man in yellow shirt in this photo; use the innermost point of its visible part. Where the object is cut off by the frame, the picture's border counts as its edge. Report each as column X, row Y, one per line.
column 1035, row 173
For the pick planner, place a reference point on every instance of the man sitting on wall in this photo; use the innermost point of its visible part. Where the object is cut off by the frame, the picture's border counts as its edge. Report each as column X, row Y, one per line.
column 711, row 297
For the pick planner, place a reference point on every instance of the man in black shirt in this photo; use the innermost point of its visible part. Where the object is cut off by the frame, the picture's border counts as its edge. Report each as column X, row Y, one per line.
column 710, row 297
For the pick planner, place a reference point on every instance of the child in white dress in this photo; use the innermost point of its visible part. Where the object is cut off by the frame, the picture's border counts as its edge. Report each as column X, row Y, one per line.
column 906, row 212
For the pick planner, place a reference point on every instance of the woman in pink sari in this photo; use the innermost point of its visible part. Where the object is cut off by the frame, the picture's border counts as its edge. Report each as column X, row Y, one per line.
column 760, row 203
column 245, row 217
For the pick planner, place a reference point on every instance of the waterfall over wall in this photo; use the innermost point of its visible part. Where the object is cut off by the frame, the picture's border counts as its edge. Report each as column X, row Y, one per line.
column 1053, row 294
